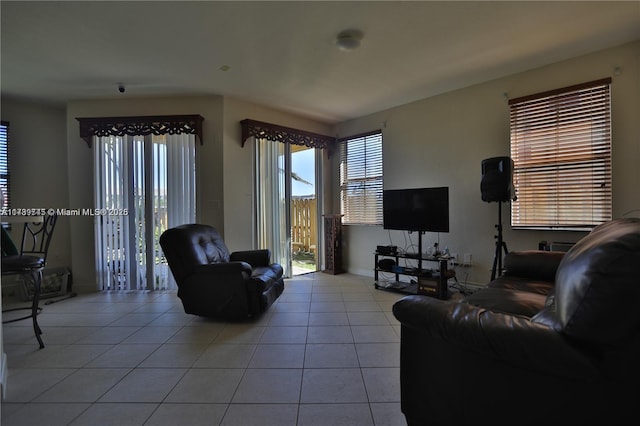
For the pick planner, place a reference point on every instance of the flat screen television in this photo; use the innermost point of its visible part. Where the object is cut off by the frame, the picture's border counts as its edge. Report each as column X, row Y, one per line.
column 416, row 209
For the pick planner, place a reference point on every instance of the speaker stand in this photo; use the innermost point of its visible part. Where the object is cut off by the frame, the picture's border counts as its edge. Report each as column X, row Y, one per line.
column 500, row 247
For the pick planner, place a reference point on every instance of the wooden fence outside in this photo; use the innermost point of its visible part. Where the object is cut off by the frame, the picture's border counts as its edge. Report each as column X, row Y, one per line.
column 304, row 224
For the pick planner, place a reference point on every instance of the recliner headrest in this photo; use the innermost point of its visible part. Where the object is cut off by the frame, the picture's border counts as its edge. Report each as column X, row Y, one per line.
column 186, row 246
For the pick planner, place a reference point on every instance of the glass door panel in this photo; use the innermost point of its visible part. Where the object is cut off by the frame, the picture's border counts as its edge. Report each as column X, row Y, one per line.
column 304, row 210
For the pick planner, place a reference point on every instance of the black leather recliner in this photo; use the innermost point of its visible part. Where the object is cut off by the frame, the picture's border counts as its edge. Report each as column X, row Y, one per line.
column 508, row 357
column 215, row 283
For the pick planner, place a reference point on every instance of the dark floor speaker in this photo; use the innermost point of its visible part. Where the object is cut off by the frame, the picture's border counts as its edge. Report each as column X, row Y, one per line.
column 497, row 179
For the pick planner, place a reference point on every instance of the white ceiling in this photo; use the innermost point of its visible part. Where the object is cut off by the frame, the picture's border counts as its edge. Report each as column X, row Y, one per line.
column 283, row 54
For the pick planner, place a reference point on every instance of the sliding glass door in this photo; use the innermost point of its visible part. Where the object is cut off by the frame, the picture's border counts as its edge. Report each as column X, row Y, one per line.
column 146, row 184
column 286, row 204
column 304, row 210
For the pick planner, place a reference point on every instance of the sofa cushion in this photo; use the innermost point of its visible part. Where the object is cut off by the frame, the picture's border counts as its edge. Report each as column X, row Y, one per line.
column 534, row 264
column 522, row 284
column 515, row 302
column 597, row 287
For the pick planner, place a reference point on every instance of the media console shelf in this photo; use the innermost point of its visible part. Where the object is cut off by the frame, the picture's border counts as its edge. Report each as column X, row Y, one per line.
column 430, row 282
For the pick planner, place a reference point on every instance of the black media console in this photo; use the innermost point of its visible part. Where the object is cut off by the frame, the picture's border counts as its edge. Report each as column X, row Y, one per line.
column 431, row 282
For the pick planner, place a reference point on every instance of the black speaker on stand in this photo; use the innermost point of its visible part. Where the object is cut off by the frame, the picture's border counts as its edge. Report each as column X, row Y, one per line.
column 497, row 185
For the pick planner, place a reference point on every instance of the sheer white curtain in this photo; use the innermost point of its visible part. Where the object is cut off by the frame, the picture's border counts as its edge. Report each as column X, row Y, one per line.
column 144, row 184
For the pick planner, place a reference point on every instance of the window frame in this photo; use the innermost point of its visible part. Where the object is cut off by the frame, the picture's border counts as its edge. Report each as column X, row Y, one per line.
column 561, row 145
column 361, row 166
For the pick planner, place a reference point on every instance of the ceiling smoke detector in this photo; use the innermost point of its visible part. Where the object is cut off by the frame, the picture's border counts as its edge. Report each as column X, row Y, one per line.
column 349, row 39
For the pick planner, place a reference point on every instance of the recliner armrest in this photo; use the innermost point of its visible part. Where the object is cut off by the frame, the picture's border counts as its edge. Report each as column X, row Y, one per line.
column 237, row 267
column 260, row 257
column 216, row 289
column 510, row 338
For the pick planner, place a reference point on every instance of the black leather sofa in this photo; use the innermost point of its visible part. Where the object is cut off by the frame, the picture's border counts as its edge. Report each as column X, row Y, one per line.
column 213, row 282
column 556, row 340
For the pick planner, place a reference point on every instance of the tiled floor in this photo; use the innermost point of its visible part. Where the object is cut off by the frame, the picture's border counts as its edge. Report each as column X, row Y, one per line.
column 326, row 353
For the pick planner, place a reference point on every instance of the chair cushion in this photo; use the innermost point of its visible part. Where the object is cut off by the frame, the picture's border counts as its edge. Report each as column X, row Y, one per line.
column 20, row 263
column 597, row 286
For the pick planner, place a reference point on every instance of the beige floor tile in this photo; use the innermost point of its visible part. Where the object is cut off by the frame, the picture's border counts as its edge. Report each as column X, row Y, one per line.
column 225, row 356
column 278, row 356
column 124, row 355
column 206, row 385
column 27, row 384
column 331, row 355
column 261, row 415
column 169, row 414
column 329, row 334
column 115, row 415
column 84, row 385
column 378, row 354
column 335, row 415
column 174, row 355
column 277, row 334
column 338, row 385
column 269, row 386
column 144, row 385
column 387, row 414
column 328, row 318
column 43, row 414
column 289, row 319
column 383, row 384
column 374, row 334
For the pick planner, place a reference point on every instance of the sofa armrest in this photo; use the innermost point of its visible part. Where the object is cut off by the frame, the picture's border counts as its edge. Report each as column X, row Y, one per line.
column 512, row 339
column 534, row 264
column 260, row 257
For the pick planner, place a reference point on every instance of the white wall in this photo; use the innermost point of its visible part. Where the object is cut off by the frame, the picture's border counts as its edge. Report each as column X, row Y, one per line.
column 441, row 141
column 80, row 160
column 39, row 167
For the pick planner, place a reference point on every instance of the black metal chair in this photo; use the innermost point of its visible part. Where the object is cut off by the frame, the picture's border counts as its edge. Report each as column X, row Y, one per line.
column 29, row 263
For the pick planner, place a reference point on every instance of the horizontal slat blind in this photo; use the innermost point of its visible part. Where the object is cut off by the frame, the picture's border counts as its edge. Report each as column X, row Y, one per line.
column 561, row 148
column 4, row 164
column 361, row 179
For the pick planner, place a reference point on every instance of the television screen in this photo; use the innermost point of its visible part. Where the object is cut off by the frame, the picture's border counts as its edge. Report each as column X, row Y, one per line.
column 418, row 209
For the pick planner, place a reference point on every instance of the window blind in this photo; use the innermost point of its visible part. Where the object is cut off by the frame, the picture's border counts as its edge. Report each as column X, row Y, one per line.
column 561, row 148
column 4, row 164
column 361, row 179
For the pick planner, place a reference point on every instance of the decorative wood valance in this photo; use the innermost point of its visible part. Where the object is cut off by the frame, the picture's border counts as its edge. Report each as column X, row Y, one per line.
column 140, row 126
column 276, row 133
